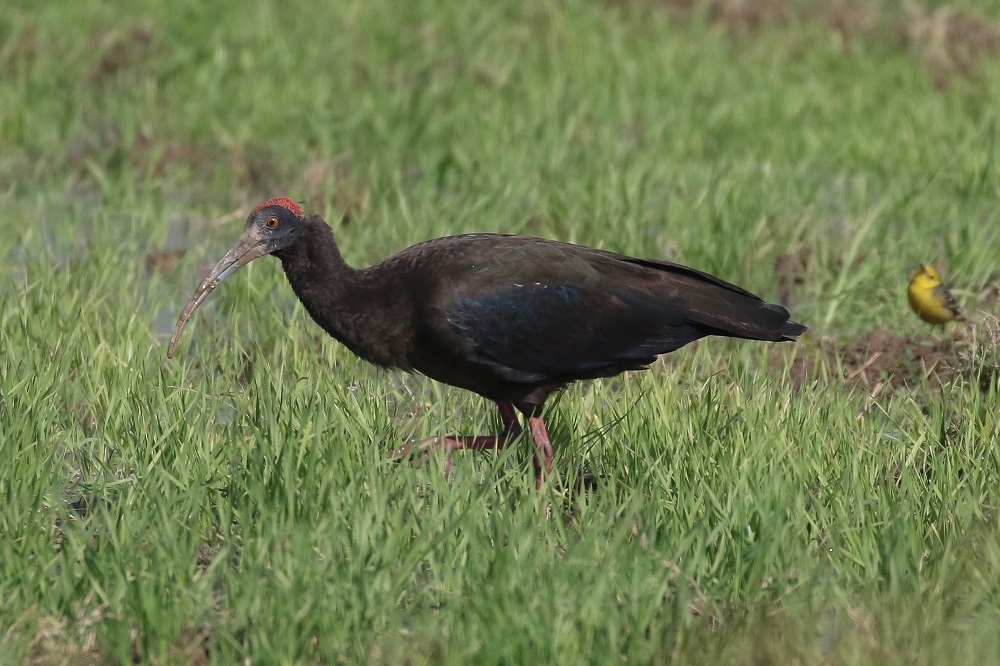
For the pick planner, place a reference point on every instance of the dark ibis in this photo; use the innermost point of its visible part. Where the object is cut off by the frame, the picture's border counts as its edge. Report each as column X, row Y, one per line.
column 511, row 318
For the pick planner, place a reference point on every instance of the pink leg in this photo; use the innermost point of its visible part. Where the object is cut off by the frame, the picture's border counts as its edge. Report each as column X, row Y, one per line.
column 511, row 431
column 543, row 449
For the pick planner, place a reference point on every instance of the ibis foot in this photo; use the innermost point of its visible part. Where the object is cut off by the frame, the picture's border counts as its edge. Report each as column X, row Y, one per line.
column 511, row 431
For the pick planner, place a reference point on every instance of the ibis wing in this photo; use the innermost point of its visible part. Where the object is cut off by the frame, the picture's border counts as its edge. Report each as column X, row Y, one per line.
column 541, row 332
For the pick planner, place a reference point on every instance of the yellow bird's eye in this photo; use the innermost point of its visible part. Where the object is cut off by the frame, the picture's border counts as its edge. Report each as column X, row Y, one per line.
column 272, row 223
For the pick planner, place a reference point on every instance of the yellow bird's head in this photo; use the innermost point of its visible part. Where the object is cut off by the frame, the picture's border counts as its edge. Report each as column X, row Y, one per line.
column 926, row 278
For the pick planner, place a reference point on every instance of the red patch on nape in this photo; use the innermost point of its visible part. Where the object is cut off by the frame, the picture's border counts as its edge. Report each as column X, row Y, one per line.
column 284, row 202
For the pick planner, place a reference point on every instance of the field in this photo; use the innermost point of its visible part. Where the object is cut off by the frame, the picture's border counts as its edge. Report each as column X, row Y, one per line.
column 829, row 501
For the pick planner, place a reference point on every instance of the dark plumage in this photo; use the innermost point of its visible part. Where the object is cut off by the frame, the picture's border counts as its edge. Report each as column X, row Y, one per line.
column 508, row 317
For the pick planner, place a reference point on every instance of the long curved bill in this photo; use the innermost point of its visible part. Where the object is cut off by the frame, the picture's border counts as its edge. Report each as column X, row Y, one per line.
column 248, row 248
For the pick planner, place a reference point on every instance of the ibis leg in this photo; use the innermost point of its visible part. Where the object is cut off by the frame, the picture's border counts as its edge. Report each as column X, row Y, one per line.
column 511, row 431
column 543, row 447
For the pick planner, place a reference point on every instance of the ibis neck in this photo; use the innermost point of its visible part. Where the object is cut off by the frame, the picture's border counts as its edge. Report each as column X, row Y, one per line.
column 357, row 307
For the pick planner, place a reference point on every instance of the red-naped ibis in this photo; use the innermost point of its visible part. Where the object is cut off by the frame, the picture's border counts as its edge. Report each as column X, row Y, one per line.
column 511, row 318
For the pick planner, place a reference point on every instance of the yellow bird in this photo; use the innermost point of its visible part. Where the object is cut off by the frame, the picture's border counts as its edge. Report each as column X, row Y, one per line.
column 931, row 299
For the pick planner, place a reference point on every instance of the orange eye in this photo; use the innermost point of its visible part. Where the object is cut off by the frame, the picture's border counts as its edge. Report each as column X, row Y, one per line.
column 272, row 223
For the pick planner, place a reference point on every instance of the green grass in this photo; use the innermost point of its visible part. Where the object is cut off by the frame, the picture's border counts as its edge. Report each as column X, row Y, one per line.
column 746, row 503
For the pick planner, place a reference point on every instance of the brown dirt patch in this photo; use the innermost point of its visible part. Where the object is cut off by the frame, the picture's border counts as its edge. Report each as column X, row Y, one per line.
column 58, row 640
column 949, row 42
column 791, row 269
column 166, row 258
column 123, row 49
column 886, row 360
column 990, row 297
column 746, row 17
column 162, row 261
column 153, row 154
column 100, row 142
column 23, row 47
column 901, row 360
column 335, row 184
column 259, row 170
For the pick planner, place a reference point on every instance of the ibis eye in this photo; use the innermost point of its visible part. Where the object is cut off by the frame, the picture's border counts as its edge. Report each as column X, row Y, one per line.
column 272, row 223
